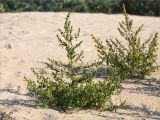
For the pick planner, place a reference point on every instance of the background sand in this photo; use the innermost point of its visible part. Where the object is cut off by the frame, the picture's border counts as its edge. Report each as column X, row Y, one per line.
column 27, row 39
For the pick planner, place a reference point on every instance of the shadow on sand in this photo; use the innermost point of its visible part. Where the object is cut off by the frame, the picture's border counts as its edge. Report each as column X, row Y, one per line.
column 148, row 86
column 141, row 113
column 22, row 102
column 146, row 113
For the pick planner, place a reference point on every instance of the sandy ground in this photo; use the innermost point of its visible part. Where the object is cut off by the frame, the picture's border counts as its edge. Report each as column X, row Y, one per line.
column 27, row 39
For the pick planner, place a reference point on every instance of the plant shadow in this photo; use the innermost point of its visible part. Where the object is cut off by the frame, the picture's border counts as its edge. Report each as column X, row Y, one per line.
column 17, row 101
column 145, row 86
column 133, row 111
column 144, row 110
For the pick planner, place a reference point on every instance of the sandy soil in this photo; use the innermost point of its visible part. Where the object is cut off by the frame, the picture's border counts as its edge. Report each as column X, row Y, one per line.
column 27, row 39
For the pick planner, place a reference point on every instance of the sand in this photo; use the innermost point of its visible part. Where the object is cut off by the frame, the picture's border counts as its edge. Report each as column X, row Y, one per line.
column 28, row 39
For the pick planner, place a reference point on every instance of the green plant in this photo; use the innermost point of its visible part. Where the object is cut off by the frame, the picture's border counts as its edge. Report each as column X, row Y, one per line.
column 71, row 84
column 135, row 59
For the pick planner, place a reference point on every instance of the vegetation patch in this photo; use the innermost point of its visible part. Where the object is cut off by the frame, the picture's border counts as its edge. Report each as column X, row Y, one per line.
column 133, row 60
column 138, row 7
column 72, row 84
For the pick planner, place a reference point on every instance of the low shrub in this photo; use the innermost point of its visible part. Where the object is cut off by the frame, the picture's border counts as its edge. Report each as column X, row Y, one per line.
column 135, row 59
column 72, row 84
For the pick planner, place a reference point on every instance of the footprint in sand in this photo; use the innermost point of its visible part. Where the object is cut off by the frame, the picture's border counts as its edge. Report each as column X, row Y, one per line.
column 8, row 46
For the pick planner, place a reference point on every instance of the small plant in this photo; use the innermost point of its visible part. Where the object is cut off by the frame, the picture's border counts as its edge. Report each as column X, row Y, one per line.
column 135, row 59
column 72, row 84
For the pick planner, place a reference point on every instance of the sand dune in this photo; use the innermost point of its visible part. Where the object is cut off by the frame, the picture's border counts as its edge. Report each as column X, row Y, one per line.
column 27, row 39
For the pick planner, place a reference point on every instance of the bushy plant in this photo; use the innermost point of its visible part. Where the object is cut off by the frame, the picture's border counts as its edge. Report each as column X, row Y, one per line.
column 71, row 83
column 135, row 59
